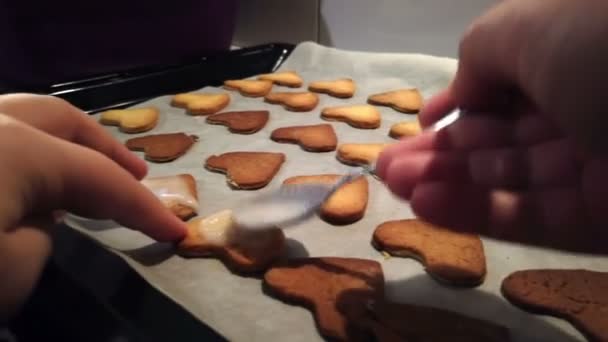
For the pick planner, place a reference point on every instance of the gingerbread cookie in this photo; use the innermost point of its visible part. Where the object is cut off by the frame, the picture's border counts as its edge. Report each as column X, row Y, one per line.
column 201, row 103
column 359, row 154
column 242, row 122
column 407, row 322
column 162, row 147
column 341, row 88
column 405, row 129
column 295, row 102
column 347, row 205
column 247, row 170
column 578, row 296
column 178, row 193
column 320, row 283
column 284, row 78
column 132, row 120
column 359, row 116
column 450, row 257
column 250, row 88
column 241, row 250
column 314, row 138
column 403, row 100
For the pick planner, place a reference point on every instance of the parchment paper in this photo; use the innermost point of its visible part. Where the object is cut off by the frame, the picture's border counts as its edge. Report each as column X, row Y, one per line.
column 235, row 306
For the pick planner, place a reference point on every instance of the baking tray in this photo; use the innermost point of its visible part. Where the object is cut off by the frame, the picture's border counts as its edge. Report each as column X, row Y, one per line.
column 100, row 296
column 215, row 296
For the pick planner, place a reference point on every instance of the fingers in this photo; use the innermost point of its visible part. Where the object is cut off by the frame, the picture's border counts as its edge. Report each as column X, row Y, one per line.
column 81, row 180
column 59, row 118
column 550, row 217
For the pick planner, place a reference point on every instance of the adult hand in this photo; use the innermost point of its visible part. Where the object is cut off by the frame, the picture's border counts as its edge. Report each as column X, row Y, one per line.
column 54, row 157
column 530, row 166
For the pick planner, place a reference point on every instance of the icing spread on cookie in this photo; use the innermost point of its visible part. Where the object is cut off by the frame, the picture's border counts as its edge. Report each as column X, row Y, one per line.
column 171, row 190
column 218, row 228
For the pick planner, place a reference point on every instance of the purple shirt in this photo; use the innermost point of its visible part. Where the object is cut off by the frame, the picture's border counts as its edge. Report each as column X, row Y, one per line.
column 51, row 41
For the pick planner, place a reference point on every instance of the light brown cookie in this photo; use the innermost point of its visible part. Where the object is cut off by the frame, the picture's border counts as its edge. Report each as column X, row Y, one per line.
column 359, row 116
column 405, row 129
column 201, row 103
column 347, row 205
column 242, row 251
column 295, row 102
column 403, row 100
column 576, row 295
column 285, row 78
column 407, row 322
column 450, row 257
column 242, row 122
column 162, row 147
column 359, row 154
column 341, row 88
column 178, row 193
column 247, row 170
column 132, row 120
column 313, row 138
column 319, row 283
column 250, row 88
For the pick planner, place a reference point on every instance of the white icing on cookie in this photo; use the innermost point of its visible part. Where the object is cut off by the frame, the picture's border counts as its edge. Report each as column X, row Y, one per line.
column 171, row 190
column 218, row 228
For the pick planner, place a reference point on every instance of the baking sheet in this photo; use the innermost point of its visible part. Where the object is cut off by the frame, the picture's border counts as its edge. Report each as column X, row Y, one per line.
column 235, row 306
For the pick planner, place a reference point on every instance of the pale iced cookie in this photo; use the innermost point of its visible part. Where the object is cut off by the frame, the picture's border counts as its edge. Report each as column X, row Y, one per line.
column 314, row 138
column 450, row 257
column 347, row 205
column 387, row 321
column 250, row 88
column 247, row 170
column 295, row 101
column 178, row 193
column 405, row 129
column 242, row 251
column 359, row 154
column 201, row 103
column 132, row 120
column 324, row 284
column 162, row 147
column 576, row 295
column 359, row 116
column 284, row 78
column 342, row 88
column 242, row 122
column 403, row 100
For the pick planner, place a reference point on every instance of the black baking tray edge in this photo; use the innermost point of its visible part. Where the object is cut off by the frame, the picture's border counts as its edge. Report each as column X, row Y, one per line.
column 87, row 293
column 123, row 89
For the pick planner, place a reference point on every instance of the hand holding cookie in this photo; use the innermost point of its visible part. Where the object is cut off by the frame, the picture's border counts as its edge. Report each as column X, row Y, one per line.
column 82, row 170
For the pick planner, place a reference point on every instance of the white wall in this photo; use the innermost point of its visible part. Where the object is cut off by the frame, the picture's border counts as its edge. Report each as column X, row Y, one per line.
column 424, row 26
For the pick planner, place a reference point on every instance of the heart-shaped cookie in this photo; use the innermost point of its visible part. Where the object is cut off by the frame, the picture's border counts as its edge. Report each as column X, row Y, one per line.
column 247, row 170
column 402, row 100
column 313, row 138
column 285, row 78
column 201, row 103
column 294, row 101
column 341, row 88
column 359, row 116
column 132, row 120
column 242, row 122
column 242, row 251
column 162, row 147
column 360, row 154
column 250, row 88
